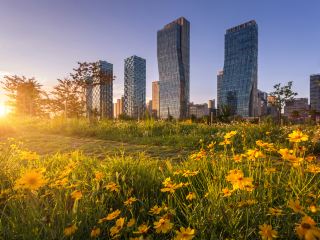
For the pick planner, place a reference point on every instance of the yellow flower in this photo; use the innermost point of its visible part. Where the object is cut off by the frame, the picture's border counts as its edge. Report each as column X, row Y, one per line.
column 313, row 209
column 225, row 142
column 226, row 192
column 275, row 211
column 131, row 222
column 307, row 229
column 297, row 136
column 267, row 233
column 238, row 181
column 76, row 195
column 110, row 216
column 163, row 225
column 254, row 154
column 237, row 158
column 117, row 228
column 295, row 206
column 185, row 234
column 169, row 186
column 191, row 196
column 29, row 156
column 155, row 210
column 188, row 173
column 142, row 229
column 113, row 187
column 32, row 180
column 130, row 201
column 312, row 168
column 230, row 134
column 98, row 176
column 95, row 232
column 70, row 230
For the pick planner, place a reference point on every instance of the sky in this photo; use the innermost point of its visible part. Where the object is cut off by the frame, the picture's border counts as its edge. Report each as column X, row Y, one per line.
column 45, row 39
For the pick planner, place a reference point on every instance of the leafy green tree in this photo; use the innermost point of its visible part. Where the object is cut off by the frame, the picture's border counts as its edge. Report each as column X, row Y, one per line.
column 282, row 94
column 25, row 95
column 67, row 98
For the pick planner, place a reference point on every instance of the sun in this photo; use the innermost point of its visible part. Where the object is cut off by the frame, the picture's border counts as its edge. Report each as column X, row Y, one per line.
column 4, row 110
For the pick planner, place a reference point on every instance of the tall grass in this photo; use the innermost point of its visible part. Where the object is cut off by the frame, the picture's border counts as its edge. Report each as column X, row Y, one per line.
column 78, row 191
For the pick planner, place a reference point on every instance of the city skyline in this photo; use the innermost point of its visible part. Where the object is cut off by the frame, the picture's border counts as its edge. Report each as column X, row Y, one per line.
column 286, row 44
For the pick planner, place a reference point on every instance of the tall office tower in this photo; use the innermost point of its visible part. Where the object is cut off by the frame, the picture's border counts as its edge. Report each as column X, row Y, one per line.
column 134, row 86
column 240, row 72
column 155, row 98
column 296, row 108
column 173, row 50
column 99, row 91
column 219, row 82
column 315, row 92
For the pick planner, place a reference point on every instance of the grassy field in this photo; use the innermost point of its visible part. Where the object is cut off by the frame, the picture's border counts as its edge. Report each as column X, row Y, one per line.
column 72, row 180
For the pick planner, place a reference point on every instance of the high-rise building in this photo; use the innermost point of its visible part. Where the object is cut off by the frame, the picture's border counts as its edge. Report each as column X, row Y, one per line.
column 99, row 92
column 297, row 108
column 118, row 107
column 173, row 50
column 263, row 103
column 155, row 98
column 149, row 107
column 238, row 88
column 134, row 86
column 198, row 110
column 315, row 92
column 219, row 84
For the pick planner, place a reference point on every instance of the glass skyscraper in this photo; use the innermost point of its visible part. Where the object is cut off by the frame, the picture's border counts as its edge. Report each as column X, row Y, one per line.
column 173, row 49
column 238, row 86
column 99, row 91
column 315, row 92
column 134, row 86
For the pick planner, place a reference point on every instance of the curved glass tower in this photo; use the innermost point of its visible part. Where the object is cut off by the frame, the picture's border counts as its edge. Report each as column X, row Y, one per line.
column 173, row 48
column 238, row 86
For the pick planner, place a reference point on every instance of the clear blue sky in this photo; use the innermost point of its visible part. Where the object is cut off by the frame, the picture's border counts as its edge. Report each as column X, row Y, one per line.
column 45, row 39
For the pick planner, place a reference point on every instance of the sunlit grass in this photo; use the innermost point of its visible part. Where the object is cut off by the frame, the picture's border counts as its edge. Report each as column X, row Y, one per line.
column 230, row 188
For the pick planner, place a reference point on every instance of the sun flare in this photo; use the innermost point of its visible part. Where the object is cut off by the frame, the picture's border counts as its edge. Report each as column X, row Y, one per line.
column 4, row 110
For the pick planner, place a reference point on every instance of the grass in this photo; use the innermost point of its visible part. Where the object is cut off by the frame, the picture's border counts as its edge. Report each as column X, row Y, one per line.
column 221, row 191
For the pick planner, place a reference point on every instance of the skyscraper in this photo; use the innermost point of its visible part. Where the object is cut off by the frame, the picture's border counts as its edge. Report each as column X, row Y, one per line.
column 134, row 86
column 239, row 82
column 155, row 98
column 315, row 92
column 173, row 50
column 219, row 83
column 99, row 91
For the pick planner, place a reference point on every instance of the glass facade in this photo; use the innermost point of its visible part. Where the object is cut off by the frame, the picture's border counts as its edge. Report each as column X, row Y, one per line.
column 134, row 86
column 99, row 91
column 173, row 50
column 238, row 86
column 315, row 92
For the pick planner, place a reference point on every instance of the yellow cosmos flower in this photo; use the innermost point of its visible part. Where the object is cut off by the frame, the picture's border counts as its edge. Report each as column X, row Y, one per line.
column 238, row 181
column 131, row 222
column 170, row 186
column 163, row 225
column 188, row 173
column 29, row 156
column 226, row 192
column 230, row 134
column 295, row 206
column 98, row 176
column 312, row 168
column 185, row 234
column 237, row 158
column 76, row 195
column 269, row 171
column 70, row 230
column 118, row 227
column 191, row 196
column 225, row 142
column 110, row 216
column 113, row 187
column 313, row 209
column 142, row 229
column 155, row 210
column 297, row 136
column 95, row 232
column 267, row 233
column 254, row 154
column 307, row 229
column 130, row 201
column 32, row 180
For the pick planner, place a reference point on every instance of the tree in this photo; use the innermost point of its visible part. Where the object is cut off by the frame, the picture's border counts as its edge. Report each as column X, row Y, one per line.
column 225, row 111
column 25, row 95
column 67, row 98
column 282, row 94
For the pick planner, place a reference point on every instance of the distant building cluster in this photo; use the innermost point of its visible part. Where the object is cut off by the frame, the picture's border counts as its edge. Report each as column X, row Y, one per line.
column 237, row 82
